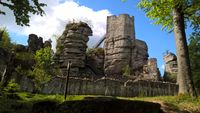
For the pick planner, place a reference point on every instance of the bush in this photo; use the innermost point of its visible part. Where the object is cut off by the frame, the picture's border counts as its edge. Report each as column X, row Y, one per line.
column 12, row 87
column 5, row 42
column 95, row 51
column 24, row 56
column 126, row 71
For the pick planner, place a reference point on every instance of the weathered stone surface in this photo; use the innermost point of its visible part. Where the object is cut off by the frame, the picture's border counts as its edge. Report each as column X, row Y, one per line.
column 34, row 43
column 118, row 44
column 47, row 43
column 139, row 55
column 169, row 57
column 121, row 47
column 151, row 71
column 71, row 46
column 95, row 61
column 171, row 67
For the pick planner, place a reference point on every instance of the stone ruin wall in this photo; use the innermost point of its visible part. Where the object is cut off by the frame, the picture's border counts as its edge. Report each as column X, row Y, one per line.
column 105, row 86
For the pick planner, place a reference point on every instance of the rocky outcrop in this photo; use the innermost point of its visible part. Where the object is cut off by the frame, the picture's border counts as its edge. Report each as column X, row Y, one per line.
column 121, row 47
column 95, row 61
column 71, row 46
column 151, row 71
column 118, row 44
column 171, row 67
column 34, row 43
column 47, row 43
column 139, row 55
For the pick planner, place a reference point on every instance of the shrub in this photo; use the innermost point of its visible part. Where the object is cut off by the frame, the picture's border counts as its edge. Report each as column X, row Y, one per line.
column 126, row 71
column 95, row 51
column 12, row 87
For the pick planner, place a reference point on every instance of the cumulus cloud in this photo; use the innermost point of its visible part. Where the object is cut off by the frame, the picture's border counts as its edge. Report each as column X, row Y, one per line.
column 58, row 14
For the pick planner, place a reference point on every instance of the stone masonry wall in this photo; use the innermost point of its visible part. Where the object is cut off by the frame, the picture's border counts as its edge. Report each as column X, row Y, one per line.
column 109, row 87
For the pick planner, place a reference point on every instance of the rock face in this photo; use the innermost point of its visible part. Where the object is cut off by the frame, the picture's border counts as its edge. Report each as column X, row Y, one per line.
column 171, row 67
column 139, row 55
column 121, row 47
column 151, row 71
column 95, row 61
column 71, row 46
column 34, row 43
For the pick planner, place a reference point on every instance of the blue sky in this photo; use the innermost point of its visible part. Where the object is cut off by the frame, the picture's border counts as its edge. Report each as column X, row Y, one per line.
column 95, row 12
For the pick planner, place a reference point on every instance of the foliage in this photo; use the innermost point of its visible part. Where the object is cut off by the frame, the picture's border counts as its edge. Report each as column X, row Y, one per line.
column 126, row 71
column 43, row 58
column 5, row 41
column 95, row 51
column 170, row 77
column 76, row 26
column 12, row 87
column 161, row 12
column 22, row 9
column 40, row 77
column 175, row 14
column 42, row 70
column 25, row 72
column 24, row 56
column 194, row 52
column 59, row 47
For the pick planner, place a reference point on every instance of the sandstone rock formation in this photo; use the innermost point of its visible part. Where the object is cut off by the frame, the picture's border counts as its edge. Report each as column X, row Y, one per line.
column 34, row 43
column 71, row 46
column 171, row 67
column 95, row 60
column 121, row 47
column 151, row 71
column 139, row 55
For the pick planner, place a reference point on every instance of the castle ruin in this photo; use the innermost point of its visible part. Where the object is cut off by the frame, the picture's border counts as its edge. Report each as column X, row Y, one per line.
column 104, row 68
column 121, row 50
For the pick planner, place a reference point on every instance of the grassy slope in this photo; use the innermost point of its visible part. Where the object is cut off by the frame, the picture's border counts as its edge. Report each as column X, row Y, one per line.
column 23, row 102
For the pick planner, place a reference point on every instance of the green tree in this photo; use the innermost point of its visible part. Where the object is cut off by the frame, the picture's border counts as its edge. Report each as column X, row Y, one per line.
column 173, row 16
column 22, row 9
column 194, row 51
column 43, row 69
column 5, row 42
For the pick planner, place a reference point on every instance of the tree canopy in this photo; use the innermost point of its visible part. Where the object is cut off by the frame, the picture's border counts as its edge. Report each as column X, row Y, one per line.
column 22, row 9
column 161, row 12
column 5, row 41
column 194, row 50
column 174, row 15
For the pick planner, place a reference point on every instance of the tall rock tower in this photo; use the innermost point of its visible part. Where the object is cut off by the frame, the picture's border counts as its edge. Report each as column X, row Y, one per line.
column 71, row 46
column 171, row 67
column 119, row 43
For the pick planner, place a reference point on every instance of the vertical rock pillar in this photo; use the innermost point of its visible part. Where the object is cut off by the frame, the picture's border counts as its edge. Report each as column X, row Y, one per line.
column 71, row 46
column 119, row 42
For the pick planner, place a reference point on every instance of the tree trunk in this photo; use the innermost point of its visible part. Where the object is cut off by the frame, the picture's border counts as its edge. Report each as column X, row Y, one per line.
column 184, row 78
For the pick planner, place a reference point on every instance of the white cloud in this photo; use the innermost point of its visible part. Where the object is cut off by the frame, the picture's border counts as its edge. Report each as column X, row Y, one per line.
column 58, row 13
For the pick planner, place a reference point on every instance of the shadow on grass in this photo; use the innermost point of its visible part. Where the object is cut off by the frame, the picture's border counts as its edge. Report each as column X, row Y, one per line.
column 98, row 105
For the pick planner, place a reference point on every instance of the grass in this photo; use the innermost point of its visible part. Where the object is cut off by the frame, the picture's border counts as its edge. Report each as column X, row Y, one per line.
column 22, row 102
column 181, row 103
